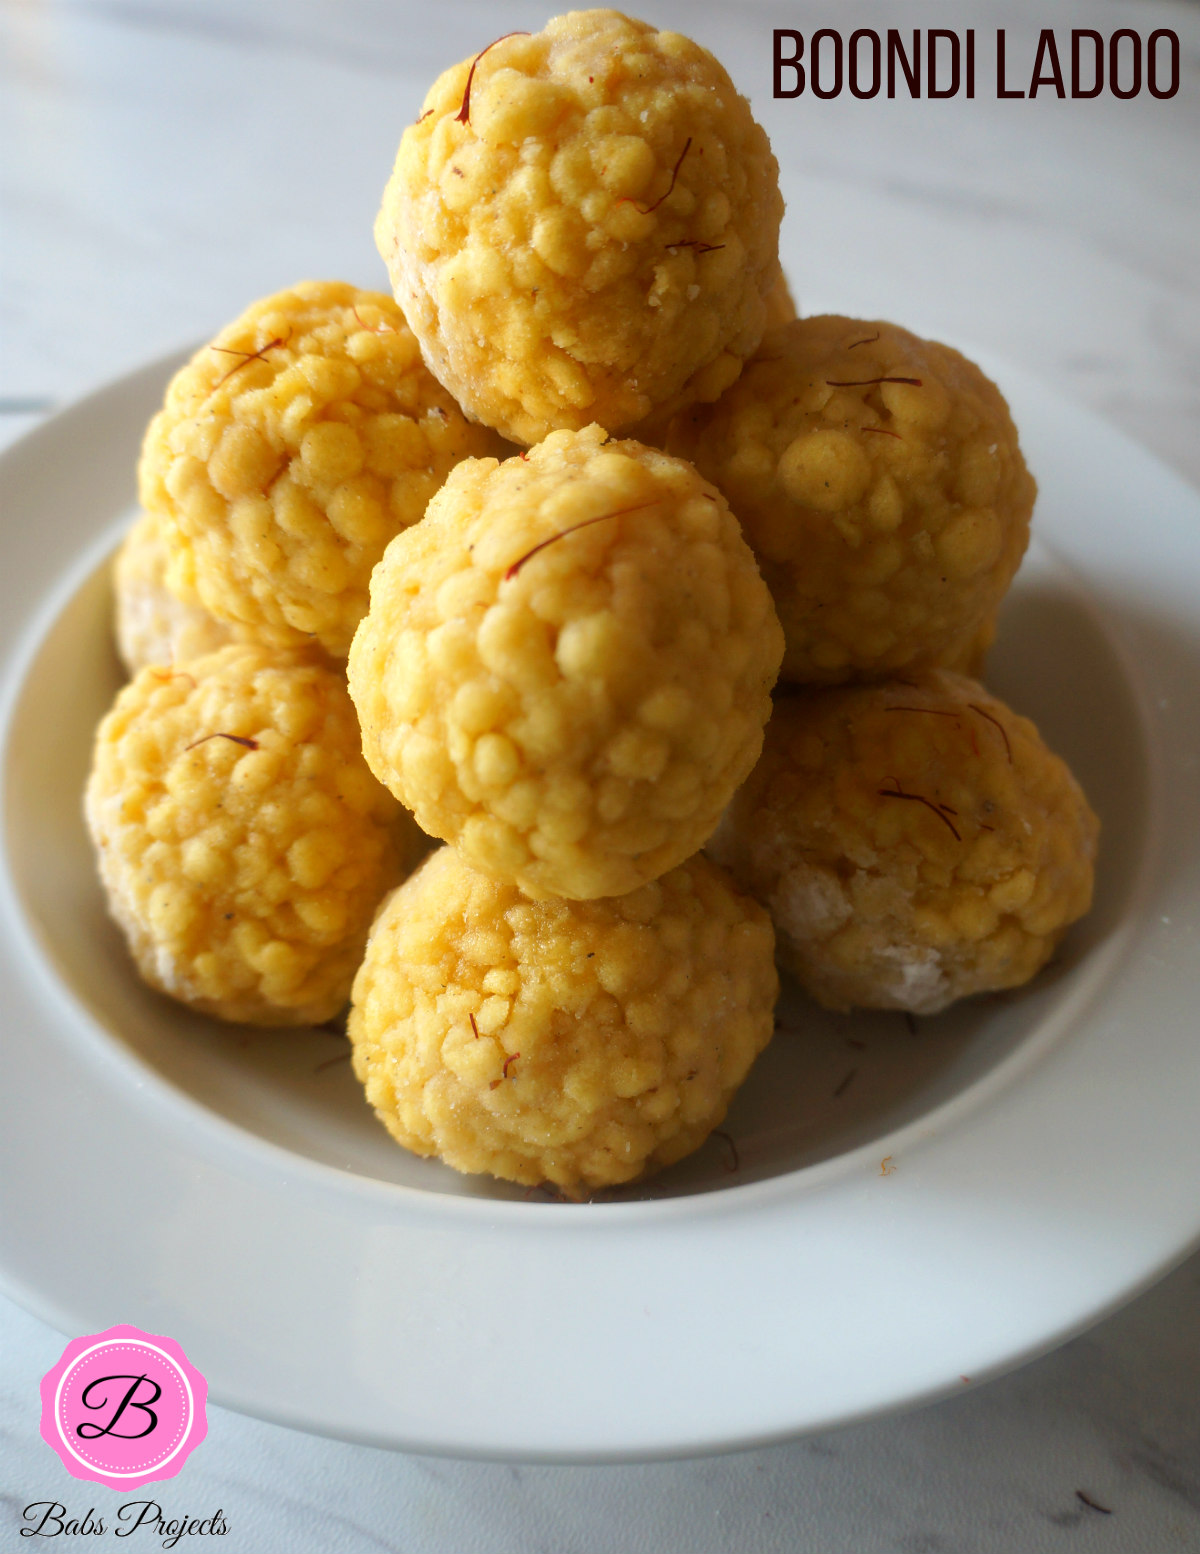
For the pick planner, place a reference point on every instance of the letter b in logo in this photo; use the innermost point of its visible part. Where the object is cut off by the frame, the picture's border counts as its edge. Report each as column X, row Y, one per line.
column 99, row 1390
column 123, row 1408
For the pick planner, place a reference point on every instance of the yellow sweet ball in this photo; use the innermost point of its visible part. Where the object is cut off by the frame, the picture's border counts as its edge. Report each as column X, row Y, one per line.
column 578, row 1043
column 781, row 306
column 153, row 625
column 970, row 657
column 243, row 844
column 880, row 484
column 583, row 225
column 288, row 453
column 914, row 841
column 566, row 668
column 781, row 309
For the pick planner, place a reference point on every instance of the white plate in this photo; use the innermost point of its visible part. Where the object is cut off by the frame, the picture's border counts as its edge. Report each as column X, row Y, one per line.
column 978, row 1193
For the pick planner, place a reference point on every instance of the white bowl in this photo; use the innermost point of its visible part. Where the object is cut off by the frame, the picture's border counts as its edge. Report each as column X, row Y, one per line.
column 979, row 1190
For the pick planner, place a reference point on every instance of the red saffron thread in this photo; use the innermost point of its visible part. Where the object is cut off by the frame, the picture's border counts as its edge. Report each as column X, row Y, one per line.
column 870, row 340
column 474, row 1027
column 866, row 382
column 463, row 116
column 701, row 248
column 1093, row 1505
column 342, row 1057
column 934, row 712
column 735, row 1158
column 423, row 116
column 975, row 707
column 548, row 1191
column 882, row 431
column 917, row 798
column 845, row 1084
column 247, row 356
column 237, row 739
column 646, row 210
column 373, row 329
column 562, row 534
column 512, row 1058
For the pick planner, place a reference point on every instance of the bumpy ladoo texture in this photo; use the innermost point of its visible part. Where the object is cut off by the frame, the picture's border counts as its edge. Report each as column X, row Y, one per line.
column 914, row 842
column 566, row 667
column 243, row 844
column 579, row 1043
column 291, row 450
column 154, row 625
column 583, row 225
column 880, row 484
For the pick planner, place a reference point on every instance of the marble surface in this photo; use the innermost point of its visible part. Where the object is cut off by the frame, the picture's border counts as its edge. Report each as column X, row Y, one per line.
column 164, row 161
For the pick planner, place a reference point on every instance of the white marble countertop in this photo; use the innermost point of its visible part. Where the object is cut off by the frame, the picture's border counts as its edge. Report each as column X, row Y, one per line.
column 163, row 162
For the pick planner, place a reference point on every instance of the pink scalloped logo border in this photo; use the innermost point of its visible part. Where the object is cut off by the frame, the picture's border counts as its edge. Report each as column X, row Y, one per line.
column 104, row 1386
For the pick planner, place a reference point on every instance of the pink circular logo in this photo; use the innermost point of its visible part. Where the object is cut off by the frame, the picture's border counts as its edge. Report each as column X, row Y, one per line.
column 123, row 1408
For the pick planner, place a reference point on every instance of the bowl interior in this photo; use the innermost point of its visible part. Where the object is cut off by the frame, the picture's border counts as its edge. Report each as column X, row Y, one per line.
column 827, row 1083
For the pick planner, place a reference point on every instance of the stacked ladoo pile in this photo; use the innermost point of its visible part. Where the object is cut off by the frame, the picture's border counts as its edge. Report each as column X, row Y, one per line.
column 564, row 670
